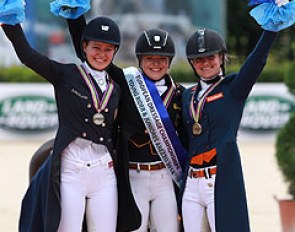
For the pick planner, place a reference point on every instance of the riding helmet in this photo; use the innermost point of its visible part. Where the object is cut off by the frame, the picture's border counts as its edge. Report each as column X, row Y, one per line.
column 155, row 42
column 102, row 29
column 205, row 42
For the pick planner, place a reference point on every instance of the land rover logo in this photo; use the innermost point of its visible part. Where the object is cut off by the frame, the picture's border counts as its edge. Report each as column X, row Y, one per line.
column 266, row 112
column 28, row 113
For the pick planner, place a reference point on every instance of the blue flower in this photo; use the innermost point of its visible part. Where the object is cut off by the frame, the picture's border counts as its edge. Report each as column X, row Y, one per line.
column 70, row 9
column 12, row 12
column 256, row 2
column 274, row 18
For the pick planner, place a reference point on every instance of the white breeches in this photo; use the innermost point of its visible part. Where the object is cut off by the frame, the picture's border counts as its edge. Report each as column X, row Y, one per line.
column 155, row 196
column 88, row 185
column 198, row 196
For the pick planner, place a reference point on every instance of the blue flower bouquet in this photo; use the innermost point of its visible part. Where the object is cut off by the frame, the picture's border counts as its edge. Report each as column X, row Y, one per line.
column 70, row 9
column 12, row 11
column 272, row 16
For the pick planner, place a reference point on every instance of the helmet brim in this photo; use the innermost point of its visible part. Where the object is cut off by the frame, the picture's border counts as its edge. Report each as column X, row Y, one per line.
column 155, row 54
column 205, row 54
column 101, row 40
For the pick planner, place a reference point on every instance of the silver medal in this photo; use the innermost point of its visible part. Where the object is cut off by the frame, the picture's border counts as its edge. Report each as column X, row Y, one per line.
column 98, row 119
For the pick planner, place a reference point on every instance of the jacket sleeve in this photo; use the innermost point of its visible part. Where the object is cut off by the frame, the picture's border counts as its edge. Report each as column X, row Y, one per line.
column 253, row 65
column 76, row 28
column 182, row 132
column 41, row 64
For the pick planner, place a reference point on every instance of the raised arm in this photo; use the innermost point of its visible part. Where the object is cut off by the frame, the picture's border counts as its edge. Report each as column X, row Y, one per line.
column 272, row 16
column 74, row 12
column 30, row 57
column 12, row 13
column 253, row 65
column 76, row 28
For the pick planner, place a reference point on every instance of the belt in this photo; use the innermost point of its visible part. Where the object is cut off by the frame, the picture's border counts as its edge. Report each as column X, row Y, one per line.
column 204, row 172
column 205, row 156
column 147, row 166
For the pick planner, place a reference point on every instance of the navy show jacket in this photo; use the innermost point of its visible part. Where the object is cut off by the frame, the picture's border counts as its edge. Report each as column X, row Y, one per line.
column 41, row 204
column 220, row 121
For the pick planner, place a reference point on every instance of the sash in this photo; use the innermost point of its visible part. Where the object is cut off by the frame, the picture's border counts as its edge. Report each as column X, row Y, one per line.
column 157, row 122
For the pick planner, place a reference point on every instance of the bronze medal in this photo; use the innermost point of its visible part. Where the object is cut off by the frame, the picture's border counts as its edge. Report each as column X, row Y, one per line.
column 197, row 129
column 98, row 119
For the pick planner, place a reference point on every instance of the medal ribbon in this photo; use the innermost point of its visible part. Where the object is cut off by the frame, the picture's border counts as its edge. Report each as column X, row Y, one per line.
column 153, row 113
column 170, row 93
column 196, row 113
column 99, row 105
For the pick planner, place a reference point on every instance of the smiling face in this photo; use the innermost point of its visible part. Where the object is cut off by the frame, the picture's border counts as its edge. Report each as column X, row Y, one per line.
column 155, row 67
column 209, row 66
column 98, row 54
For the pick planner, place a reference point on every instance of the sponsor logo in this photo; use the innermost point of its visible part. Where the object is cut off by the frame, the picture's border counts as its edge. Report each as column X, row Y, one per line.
column 266, row 112
column 28, row 113
column 214, row 97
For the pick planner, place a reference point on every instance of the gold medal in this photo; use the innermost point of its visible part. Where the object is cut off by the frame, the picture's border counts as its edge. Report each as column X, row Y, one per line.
column 98, row 119
column 197, row 129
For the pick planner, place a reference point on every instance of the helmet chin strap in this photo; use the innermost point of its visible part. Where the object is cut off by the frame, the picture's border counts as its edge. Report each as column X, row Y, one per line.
column 214, row 78
column 106, row 68
column 90, row 66
column 84, row 59
column 211, row 80
column 141, row 70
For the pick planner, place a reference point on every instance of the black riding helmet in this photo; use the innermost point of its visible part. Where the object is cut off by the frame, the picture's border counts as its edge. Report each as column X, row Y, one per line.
column 204, row 42
column 102, row 29
column 155, row 42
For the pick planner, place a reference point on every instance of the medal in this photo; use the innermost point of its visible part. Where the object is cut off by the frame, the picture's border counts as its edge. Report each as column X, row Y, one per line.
column 196, row 113
column 98, row 119
column 197, row 129
column 99, row 104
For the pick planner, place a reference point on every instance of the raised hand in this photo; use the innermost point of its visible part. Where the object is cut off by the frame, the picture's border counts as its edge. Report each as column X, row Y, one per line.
column 12, row 12
column 70, row 9
column 281, row 2
column 273, row 15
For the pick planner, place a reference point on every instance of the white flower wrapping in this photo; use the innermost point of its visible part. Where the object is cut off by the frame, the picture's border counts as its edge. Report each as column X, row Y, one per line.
column 281, row 2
